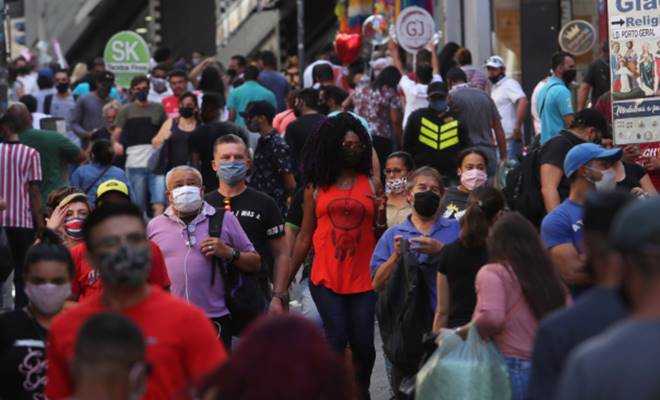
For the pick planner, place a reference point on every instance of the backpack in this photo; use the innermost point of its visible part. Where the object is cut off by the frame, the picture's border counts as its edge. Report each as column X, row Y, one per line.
column 404, row 312
column 523, row 187
column 244, row 297
column 48, row 102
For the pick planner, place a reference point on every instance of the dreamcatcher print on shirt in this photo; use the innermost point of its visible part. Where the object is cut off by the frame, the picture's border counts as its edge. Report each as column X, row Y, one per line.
column 346, row 216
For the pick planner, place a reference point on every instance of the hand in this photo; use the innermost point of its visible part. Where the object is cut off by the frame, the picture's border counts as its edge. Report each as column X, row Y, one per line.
column 56, row 219
column 3, row 204
column 517, row 134
column 380, row 200
column 430, row 46
column 392, row 46
column 213, row 246
column 427, row 245
column 631, row 153
column 638, row 192
column 276, row 306
column 462, row 332
column 397, row 244
column 652, row 163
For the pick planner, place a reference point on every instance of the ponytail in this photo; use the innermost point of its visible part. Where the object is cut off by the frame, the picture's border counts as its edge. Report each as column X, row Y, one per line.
column 484, row 204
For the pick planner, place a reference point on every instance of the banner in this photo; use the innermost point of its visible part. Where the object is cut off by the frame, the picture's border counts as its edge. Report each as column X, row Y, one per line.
column 634, row 27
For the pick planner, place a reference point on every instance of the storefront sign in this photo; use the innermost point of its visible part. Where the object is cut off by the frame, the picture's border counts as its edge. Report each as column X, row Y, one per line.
column 414, row 28
column 577, row 37
column 634, row 27
column 126, row 55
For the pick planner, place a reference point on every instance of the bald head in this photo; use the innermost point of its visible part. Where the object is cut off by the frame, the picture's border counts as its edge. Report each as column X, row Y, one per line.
column 183, row 175
column 20, row 112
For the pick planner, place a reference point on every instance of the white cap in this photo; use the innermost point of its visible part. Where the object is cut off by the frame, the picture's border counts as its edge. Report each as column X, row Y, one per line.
column 495, row 62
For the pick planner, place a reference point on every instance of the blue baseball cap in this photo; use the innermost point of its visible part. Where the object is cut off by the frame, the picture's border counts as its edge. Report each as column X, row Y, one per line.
column 583, row 153
column 637, row 226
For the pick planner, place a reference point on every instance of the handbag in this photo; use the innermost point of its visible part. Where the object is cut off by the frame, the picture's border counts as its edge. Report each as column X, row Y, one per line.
column 244, row 296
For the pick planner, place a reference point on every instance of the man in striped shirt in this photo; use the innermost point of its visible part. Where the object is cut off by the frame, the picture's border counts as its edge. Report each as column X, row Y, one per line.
column 20, row 174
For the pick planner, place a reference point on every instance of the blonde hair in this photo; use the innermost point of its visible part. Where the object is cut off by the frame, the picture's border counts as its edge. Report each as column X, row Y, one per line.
column 113, row 105
column 79, row 71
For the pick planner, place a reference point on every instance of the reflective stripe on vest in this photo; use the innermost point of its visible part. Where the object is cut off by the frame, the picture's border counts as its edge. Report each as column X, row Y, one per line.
column 438, row 137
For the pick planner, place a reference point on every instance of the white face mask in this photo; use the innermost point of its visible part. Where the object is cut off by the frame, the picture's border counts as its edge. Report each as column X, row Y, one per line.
column 187, row 199
column 48, row 298
column 608, row 182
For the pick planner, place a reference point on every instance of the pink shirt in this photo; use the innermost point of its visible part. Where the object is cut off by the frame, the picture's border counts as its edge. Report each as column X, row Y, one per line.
column 502, row 308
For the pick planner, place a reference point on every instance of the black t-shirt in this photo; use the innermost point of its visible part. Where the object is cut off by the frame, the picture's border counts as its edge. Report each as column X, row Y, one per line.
column 598, row 76
column 260, row 218
column 22, row 357
column 298, row 131
column 634, row 173
column 201, row 142
column 554, row 152
column 460, row 265
column 454, row 203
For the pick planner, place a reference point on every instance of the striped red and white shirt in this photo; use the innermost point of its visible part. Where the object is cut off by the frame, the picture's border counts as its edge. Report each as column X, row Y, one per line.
column 19, row 165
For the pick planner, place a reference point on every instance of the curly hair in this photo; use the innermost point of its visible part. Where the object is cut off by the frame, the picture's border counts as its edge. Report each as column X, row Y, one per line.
column 321, row 159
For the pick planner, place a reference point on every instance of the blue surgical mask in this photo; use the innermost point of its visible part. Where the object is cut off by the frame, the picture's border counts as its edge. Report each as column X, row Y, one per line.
column 233, row 172
column 438, row 105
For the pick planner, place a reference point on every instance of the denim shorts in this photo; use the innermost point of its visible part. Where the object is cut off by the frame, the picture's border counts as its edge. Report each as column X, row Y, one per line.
column 146, row 187
column 519, row 371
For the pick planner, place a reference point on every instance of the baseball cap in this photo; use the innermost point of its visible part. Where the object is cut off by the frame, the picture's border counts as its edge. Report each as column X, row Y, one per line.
column 111, row 185
column 590, row 118
column 495, row 62
column 435, row 88
column 72, row 198
column 256, row 108
column 47, row 72
column 636, row 226
column 585, row 152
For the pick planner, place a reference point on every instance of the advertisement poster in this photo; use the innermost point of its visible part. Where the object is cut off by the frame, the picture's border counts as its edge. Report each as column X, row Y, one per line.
column 635, row 70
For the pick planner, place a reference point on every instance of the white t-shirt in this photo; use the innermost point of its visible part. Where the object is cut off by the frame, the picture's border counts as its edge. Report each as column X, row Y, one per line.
column 505, row 94
column 415, row 95
column 535, row 115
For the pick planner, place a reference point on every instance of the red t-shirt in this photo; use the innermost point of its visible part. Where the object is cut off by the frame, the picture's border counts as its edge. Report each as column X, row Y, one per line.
column 86, row 282
column 182, row 345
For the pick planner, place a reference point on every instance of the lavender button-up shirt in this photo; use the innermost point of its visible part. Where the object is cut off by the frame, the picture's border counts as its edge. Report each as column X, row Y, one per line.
column 188, row 268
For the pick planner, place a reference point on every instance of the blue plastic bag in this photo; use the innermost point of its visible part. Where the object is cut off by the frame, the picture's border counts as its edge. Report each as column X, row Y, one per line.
column 471, row 369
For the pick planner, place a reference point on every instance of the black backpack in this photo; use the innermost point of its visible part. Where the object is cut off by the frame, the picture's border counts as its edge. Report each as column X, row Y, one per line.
column 404, row 312
column 523, row 187
column 244, row 297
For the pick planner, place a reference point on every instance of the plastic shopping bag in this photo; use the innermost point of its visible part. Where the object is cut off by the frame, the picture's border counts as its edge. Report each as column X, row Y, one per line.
column 471, row 369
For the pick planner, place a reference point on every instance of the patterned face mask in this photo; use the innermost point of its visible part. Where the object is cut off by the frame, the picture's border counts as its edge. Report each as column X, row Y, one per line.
column 396, row 185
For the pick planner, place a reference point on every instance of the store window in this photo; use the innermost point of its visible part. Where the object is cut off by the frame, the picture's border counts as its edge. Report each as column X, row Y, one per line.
column 506, row 34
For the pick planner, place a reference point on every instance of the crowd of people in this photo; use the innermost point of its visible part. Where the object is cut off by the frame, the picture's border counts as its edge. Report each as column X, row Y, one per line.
column 151, row 235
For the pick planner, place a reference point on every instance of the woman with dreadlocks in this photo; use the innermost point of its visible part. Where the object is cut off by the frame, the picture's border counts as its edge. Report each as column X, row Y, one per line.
column 340, row 216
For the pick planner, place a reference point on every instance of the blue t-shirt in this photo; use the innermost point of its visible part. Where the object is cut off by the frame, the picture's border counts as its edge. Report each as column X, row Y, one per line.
column 243, row 95
column 445, row 230
column 276, row 83
column 563, row 225
column 85, row 175
column 553, row 104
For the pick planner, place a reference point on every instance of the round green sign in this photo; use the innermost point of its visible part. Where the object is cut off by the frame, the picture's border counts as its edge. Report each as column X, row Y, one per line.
column 126, row 55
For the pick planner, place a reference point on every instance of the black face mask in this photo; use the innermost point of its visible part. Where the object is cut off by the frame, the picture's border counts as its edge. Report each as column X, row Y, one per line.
column 186, row 112
column 569, row 76
column 495, row 79
column 141, row 96
column 62, row 88
column 351, row 157
column 426, row 203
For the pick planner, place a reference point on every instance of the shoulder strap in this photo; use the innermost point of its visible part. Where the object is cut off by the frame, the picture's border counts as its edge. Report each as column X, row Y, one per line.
column 546, row 97
column 91, row 185
column 48, row 101
column 215, row 229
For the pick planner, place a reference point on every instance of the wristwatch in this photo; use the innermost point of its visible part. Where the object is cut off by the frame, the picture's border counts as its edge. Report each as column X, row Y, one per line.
column 284, row 298
column 235, row 255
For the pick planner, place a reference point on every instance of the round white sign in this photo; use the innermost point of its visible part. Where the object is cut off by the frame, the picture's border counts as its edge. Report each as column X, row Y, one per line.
column 577, row 37
column 414, row 28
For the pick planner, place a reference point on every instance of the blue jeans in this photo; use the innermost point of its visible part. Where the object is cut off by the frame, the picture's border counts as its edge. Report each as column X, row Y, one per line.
column 145, row 182
column 514, row 148
column 349, row 319
column 493, row 158
column 519, row 371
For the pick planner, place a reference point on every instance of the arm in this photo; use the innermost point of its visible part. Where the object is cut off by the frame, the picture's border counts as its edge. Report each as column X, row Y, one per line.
column 163, row 134
column 35, row 205
column 490, row 311
column 304, row 240
column 550, row 178
column 442, row 308
column 583, row 95
column 647, row 185
column 500, row 138
column 76, row 118
column 289, row 182
column 568, row 119
column 385, row 259
column 521, row 113
column 569, row 264
column 282, row 271
column 435, row 63
column 396, row 120
column 197, row 71
column 393, row 48
column 375, row 165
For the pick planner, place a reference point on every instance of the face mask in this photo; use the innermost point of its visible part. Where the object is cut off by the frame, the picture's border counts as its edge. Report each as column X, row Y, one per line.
column 396, row 186
column 195, row 61
column 233, row 172
column 473, row 178
column 186, row 112
column 607, row 182
column 127, row 266
column 141, row 96
column 187, row 199
column 495, row 79
column 159, row 85
column 62, row 88
column 426, row 203
column 48, row 298
column 73, row 227
column 569, row 76
column 351, row 157
column 438, row 105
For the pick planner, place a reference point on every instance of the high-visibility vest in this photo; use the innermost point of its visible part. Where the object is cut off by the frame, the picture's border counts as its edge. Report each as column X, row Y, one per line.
column 439, row 137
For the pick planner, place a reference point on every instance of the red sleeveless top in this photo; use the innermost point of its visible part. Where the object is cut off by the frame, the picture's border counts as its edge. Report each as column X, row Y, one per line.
column 344, row 239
